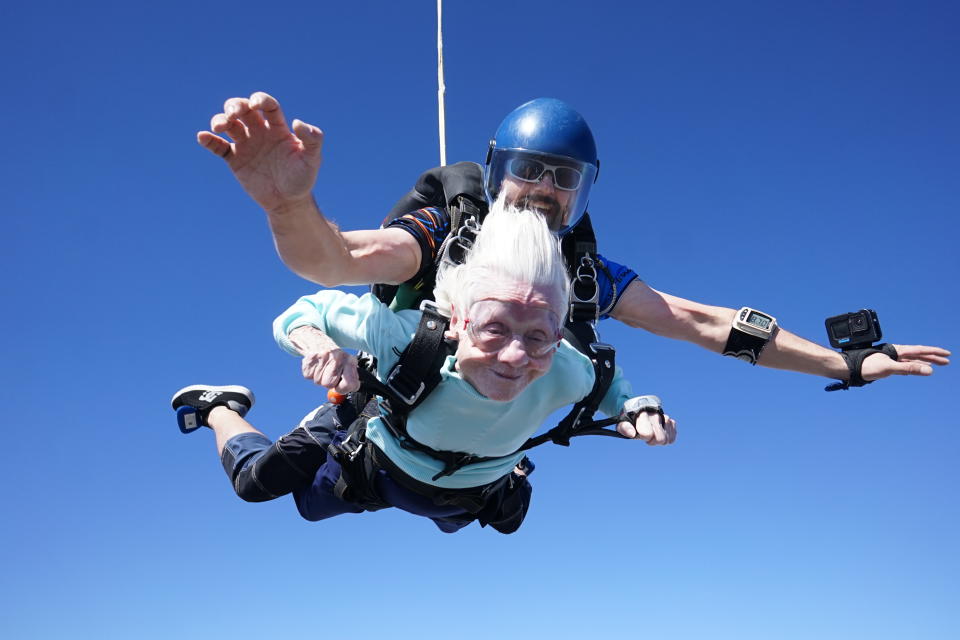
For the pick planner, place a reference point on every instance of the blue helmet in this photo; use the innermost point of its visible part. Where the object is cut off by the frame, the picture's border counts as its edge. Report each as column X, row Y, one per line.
column 541, row 138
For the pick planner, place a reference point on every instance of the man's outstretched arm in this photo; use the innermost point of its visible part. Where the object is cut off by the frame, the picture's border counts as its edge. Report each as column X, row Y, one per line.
column 277, row 165
column 709, row 326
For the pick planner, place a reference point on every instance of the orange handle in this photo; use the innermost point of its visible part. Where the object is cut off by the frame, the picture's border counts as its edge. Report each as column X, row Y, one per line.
column 334, row 397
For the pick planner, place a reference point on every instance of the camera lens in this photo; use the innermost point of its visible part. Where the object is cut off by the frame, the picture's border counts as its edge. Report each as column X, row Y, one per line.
column 858, row 323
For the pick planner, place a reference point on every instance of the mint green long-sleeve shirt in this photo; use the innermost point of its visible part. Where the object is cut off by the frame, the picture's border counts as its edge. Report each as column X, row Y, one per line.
column 455, row 417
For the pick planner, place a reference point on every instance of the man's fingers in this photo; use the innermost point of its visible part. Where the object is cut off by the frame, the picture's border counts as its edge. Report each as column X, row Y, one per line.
column 253, row 121
column 214, row 144
column 270, row 107
column 236, row 107
column 219, row 122
column 310, row 136
column 913, row 349
column 237, row 130
column 234, row 128
column 912, row 369
column 933, row 355
column 877, row 366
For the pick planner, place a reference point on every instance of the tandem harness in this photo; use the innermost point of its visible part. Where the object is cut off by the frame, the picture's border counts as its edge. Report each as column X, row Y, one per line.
column 417, row 373
column 502, row 503
column 458, row 188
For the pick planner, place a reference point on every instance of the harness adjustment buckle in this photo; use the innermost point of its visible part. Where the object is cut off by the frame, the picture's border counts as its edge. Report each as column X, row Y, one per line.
column 454, row 464
column 408, row 396
column 342, row 450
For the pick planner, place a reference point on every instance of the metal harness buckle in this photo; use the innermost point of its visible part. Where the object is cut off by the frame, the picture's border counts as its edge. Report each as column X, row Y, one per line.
column 408, row 398
column 456, row 247
column 584, row 291
column 344, row 448
column 407, row 395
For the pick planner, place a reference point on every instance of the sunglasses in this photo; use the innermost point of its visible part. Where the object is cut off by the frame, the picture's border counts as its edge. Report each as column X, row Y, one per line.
column 565, row 177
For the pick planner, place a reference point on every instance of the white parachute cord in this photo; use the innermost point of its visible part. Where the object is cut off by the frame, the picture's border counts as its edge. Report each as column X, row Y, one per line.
column 441, row 87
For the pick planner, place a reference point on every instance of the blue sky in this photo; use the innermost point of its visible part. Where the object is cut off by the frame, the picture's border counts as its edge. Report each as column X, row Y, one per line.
column 801, row 158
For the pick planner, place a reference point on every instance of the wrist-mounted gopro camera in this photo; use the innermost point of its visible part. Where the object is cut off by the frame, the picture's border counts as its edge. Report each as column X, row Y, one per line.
column 854, row 334
column 855, row 330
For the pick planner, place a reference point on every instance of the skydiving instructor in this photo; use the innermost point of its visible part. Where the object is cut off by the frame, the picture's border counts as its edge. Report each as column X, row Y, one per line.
column 542, row 157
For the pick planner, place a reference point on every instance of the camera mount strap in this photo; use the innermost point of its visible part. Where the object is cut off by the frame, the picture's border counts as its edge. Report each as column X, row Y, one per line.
column 854, row 359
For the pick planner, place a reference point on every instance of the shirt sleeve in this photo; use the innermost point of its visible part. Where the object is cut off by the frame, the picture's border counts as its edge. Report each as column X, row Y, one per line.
column 612, row 279
column 578, row 375
column 363, row 323
column 430, row 227
column 619, row 392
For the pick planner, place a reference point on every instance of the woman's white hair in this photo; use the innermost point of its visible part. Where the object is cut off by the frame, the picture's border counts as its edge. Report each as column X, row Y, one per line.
column 513, row 245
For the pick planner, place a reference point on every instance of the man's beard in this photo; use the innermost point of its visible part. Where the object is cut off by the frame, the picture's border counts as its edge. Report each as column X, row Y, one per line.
column 546, row 206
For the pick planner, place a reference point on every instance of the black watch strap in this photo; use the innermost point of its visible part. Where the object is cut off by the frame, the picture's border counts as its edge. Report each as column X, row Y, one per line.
column 743, row 346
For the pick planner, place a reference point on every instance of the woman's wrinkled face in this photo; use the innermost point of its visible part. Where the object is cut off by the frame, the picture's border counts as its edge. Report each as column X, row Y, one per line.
column 507, row 337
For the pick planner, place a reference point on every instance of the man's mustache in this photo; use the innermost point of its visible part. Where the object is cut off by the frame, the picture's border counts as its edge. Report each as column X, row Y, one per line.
column 540, row 202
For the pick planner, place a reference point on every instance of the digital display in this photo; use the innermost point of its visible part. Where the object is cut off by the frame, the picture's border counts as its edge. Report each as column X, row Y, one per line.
column 758, row 320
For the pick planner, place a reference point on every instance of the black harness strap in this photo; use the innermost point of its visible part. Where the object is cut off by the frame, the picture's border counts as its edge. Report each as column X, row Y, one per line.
column 579, row 421
column 579, row 247
column 357, row 481
column 360, row 460
column 417, row 371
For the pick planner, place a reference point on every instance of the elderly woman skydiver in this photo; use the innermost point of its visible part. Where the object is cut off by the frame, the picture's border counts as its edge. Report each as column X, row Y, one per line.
column 510, row 370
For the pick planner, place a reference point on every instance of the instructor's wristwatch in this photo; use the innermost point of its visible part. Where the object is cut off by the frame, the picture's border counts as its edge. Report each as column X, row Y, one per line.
column 749, row 334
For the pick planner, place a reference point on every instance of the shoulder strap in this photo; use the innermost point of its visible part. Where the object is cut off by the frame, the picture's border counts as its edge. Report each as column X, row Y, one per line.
column 579, row 248
column 579, row 421
column 417, row 372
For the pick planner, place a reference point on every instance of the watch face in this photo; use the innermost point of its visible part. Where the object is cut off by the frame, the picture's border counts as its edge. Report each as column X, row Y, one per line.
column 759, row 320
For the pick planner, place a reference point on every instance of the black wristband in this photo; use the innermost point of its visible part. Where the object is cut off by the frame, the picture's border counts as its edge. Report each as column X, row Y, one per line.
column 854, row 359
column 743, row 346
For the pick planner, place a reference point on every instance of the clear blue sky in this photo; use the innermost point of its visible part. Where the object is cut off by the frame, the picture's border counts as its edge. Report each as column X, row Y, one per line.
column 801, row 158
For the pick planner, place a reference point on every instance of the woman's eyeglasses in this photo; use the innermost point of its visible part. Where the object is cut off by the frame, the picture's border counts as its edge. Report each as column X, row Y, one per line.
column 494, row 336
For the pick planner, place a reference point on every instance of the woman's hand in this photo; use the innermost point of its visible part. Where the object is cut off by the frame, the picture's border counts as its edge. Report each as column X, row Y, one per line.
column 324, row 362
column 643, row 419
column 650, row 428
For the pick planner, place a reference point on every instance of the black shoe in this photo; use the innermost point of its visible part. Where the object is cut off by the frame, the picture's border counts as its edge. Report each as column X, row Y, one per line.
column 193, row 404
